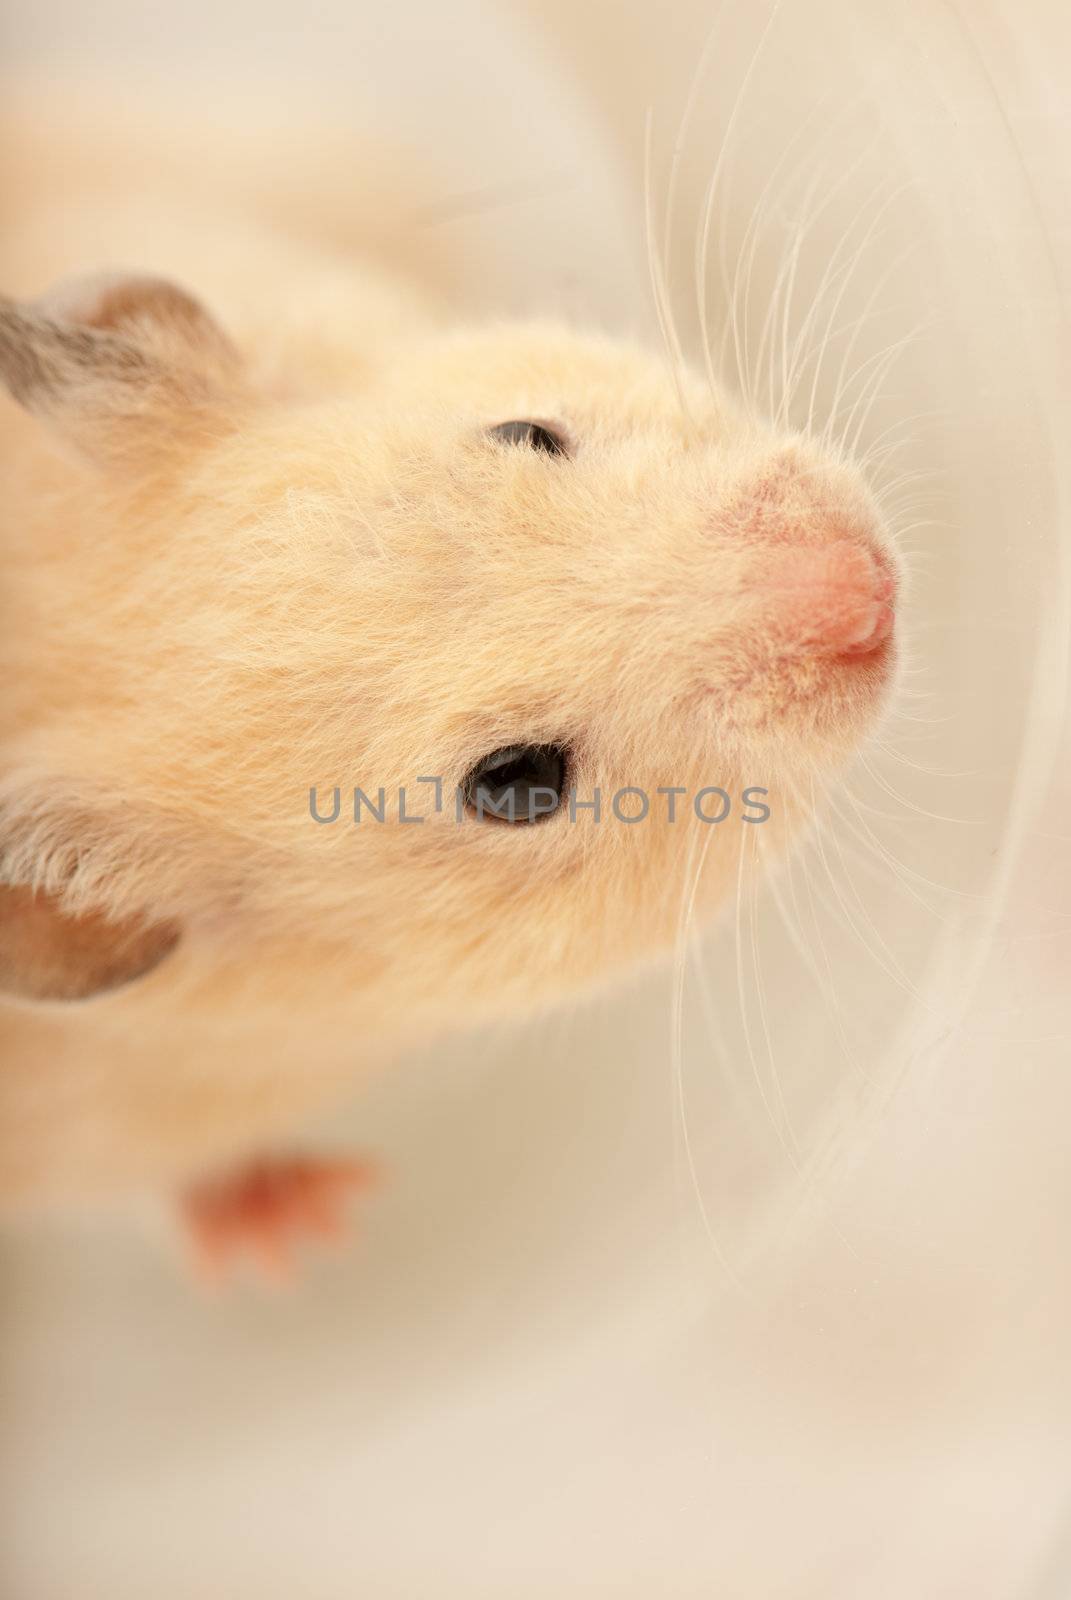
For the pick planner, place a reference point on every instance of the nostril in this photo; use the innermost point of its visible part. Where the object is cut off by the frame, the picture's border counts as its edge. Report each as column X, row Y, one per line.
column 874, row 629
column 834, row 599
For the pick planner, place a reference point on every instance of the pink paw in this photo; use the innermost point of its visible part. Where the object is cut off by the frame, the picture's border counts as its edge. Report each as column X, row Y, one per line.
column 262, row 1211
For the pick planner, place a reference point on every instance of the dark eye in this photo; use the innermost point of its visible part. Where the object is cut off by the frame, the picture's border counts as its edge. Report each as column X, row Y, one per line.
column 536, row 435
column 519, row 783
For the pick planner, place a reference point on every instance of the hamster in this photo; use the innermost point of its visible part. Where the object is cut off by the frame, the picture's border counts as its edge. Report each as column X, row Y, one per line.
column 300, row 569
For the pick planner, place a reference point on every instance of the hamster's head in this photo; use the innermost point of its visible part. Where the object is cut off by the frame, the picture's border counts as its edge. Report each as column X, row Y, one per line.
column 571, row 630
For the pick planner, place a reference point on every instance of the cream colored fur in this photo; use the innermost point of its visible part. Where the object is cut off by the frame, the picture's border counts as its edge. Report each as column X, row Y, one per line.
column 307, row 566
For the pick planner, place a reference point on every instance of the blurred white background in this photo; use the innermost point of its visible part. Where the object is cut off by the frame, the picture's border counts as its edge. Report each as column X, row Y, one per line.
column 614, row 1328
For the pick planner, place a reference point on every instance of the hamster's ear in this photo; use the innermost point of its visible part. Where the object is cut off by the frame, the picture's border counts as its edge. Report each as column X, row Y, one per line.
column 47, row 953
column 115, row 362
column 84, row 880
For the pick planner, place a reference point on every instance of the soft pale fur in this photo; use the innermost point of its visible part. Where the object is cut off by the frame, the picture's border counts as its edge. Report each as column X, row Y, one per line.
column 290, row 557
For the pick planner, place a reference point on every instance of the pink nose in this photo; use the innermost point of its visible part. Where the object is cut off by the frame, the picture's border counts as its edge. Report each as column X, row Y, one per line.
column 834, row 599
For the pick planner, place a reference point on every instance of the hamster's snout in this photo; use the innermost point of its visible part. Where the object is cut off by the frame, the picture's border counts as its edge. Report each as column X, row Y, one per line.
column 821, row 587
column 836, row 599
